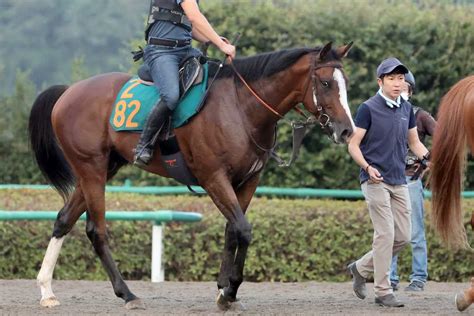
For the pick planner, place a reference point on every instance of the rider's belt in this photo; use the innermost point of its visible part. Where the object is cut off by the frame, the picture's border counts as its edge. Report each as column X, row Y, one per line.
column 169, row 43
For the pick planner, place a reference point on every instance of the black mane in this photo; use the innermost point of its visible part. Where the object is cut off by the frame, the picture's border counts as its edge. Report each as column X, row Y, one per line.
column 266, row 64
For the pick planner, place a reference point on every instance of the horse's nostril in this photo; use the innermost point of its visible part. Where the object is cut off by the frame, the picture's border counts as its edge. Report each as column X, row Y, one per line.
column 346, row 134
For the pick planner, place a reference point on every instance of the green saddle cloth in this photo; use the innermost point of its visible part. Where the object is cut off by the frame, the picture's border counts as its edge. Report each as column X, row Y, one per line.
column 136, row 99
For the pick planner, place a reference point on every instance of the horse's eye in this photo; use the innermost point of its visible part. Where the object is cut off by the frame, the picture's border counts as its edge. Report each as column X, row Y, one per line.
column 325, row 84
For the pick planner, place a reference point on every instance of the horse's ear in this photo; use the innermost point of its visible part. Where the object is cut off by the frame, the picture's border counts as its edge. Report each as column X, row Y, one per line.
column 323, row 52
column 344, row 50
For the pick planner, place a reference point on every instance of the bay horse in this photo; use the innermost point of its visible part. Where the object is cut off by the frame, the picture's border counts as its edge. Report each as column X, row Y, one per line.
column 78, row 151
column 454, row 131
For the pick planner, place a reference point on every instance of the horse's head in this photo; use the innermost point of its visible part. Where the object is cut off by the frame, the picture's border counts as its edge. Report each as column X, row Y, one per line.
column 326, row 95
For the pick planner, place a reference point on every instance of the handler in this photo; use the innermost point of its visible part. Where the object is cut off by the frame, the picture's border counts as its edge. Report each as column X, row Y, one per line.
column 385, row 125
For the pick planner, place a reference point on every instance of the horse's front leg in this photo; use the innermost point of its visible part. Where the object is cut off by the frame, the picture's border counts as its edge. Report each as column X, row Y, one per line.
column 227, row 296
column 244, row 196
column 466, row 298
column 228, row 256
column 238, row 236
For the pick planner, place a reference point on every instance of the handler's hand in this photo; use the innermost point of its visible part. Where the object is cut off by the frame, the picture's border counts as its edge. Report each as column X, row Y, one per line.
column 375, row 176
column 425, row 171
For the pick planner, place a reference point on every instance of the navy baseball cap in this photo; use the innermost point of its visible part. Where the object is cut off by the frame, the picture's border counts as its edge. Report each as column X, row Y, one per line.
column 389, row 65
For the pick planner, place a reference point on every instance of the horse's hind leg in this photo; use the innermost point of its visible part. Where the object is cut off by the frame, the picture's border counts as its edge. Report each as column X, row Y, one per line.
column 66, row 219
column 93, row 181
column 466, row 298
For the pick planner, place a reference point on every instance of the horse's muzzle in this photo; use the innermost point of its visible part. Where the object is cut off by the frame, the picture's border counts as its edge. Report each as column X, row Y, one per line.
column 341, row 133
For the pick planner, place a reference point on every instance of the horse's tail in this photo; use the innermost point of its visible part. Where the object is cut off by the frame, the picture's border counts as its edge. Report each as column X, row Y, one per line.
column 48, row 155
column 448, row 160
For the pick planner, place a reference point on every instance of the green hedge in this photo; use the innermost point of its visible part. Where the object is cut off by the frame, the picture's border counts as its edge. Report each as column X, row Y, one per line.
column 293, row 240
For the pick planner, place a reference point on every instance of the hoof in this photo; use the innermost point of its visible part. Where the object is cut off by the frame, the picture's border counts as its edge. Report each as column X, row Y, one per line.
column 237, row 306
column 135, row 304
column 461, row 302
column 225, row 304
column 49, row 302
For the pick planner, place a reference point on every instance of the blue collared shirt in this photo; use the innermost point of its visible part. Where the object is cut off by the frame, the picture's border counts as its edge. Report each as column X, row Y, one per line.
column 384, row 145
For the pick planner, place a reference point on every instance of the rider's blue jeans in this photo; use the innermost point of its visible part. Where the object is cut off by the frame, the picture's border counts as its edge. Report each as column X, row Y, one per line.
column 164, row 68
column 418, row 240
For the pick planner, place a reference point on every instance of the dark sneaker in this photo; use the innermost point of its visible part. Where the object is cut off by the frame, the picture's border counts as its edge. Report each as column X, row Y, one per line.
column 415, row 286
column 388, row 300
column 358, row 281
column 395, row 286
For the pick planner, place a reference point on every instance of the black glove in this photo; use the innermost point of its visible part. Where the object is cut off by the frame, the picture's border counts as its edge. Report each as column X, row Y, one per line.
column 137, row 54
column 423, row 165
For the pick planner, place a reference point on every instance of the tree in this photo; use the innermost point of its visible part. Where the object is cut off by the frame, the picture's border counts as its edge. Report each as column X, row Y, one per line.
column 434, row 39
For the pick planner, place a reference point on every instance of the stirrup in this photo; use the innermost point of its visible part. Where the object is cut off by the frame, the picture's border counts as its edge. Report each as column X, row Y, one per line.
column 142, row 156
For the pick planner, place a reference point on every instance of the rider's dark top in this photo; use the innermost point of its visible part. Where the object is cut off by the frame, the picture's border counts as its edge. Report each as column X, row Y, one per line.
column 384, row 145
column 168, row 30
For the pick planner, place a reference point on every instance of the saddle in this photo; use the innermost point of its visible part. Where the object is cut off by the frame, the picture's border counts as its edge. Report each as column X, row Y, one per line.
column 190, row 73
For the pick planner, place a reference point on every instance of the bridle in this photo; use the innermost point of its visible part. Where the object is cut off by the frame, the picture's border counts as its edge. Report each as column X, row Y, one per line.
column 298, row 127
column 321, row 116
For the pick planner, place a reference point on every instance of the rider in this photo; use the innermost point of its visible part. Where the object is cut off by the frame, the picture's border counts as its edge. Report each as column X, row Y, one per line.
column 172, row 24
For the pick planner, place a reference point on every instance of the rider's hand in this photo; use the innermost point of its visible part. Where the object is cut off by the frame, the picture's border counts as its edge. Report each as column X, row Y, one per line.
column 228, row 49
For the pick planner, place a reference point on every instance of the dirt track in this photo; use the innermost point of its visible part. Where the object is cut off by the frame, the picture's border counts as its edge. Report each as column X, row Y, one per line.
column 21, row 297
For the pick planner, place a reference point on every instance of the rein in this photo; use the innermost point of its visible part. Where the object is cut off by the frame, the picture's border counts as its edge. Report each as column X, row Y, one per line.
column 252, row 91
column 298, row 127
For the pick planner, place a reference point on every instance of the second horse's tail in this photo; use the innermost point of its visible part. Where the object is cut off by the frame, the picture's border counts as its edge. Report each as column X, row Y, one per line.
column 448, row 159
column 48, row 154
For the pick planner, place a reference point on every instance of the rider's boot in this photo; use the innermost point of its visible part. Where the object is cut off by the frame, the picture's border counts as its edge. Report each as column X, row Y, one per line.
column 155, row 122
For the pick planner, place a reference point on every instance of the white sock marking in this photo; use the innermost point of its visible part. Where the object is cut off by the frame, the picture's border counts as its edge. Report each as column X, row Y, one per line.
column 45, row 276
